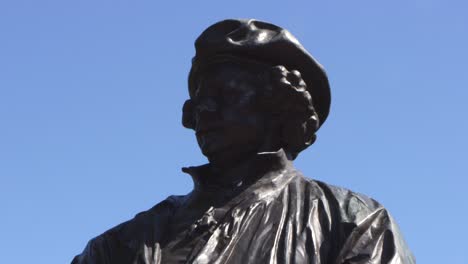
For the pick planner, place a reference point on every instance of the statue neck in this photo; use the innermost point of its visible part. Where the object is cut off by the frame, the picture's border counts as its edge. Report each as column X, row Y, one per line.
column 209, row 177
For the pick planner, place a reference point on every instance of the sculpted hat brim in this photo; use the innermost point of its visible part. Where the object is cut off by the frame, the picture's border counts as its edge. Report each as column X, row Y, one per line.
column 267, row 43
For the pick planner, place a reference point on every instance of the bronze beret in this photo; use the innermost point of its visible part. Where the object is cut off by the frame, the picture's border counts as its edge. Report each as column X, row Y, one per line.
column 267, row 43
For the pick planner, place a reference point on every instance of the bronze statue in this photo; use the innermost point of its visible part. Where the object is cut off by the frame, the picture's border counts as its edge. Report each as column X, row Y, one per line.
column 257, row 98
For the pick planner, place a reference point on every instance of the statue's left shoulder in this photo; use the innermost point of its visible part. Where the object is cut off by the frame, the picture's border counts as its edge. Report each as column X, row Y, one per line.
column 365, row 228
column 353, row 206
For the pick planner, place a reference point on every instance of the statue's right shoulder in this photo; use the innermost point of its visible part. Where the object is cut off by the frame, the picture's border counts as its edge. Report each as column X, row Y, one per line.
column 122, row 243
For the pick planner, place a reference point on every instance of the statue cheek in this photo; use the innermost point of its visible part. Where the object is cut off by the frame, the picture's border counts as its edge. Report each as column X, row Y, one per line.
column 247, row 119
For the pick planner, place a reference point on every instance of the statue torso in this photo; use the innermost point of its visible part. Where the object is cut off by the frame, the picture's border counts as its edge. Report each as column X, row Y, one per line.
column 280, row 218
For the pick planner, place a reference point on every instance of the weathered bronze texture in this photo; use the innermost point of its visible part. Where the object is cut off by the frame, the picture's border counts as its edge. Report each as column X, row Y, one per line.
column 257, row 98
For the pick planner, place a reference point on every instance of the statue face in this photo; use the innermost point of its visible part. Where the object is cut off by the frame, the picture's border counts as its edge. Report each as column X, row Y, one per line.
column 228, row 125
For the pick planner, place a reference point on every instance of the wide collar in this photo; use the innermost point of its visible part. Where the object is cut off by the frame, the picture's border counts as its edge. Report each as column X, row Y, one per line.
column 205, row 179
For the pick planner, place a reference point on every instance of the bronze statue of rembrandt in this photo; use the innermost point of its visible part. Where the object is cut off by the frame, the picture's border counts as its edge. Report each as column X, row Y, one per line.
column 257, row 98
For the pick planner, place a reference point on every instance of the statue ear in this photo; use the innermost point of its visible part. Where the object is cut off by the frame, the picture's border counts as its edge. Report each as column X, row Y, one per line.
column 187, row 115
column 297, row 134
column 311, row 126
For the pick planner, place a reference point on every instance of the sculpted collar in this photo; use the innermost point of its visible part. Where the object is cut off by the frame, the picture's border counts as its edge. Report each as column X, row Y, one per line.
column 205, row 179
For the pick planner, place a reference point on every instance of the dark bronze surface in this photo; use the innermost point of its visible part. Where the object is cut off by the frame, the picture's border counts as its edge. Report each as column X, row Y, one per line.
column 257, row 97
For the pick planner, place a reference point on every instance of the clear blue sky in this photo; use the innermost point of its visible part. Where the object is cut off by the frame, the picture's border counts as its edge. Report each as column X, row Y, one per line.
column 90, row 106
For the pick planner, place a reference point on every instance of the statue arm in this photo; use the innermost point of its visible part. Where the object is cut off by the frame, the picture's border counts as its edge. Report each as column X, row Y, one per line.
column 375, row 239
column 364, row 231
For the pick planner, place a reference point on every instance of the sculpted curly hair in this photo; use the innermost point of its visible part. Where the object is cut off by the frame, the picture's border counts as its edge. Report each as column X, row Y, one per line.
column 282, row 94
column 286, row 98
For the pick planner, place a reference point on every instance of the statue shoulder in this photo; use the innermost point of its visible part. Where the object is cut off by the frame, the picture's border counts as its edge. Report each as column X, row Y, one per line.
column 341, row 205
column 359, row 224
column 124, row 240
column 352, row 206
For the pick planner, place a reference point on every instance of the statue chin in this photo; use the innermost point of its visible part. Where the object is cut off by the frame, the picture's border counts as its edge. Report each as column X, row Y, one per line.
column 228, row 157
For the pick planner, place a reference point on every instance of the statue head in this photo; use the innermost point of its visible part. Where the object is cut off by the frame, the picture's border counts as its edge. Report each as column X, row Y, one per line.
column 253, row 88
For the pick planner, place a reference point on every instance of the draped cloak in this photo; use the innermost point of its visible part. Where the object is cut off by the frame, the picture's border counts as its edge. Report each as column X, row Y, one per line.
column 279, row 216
